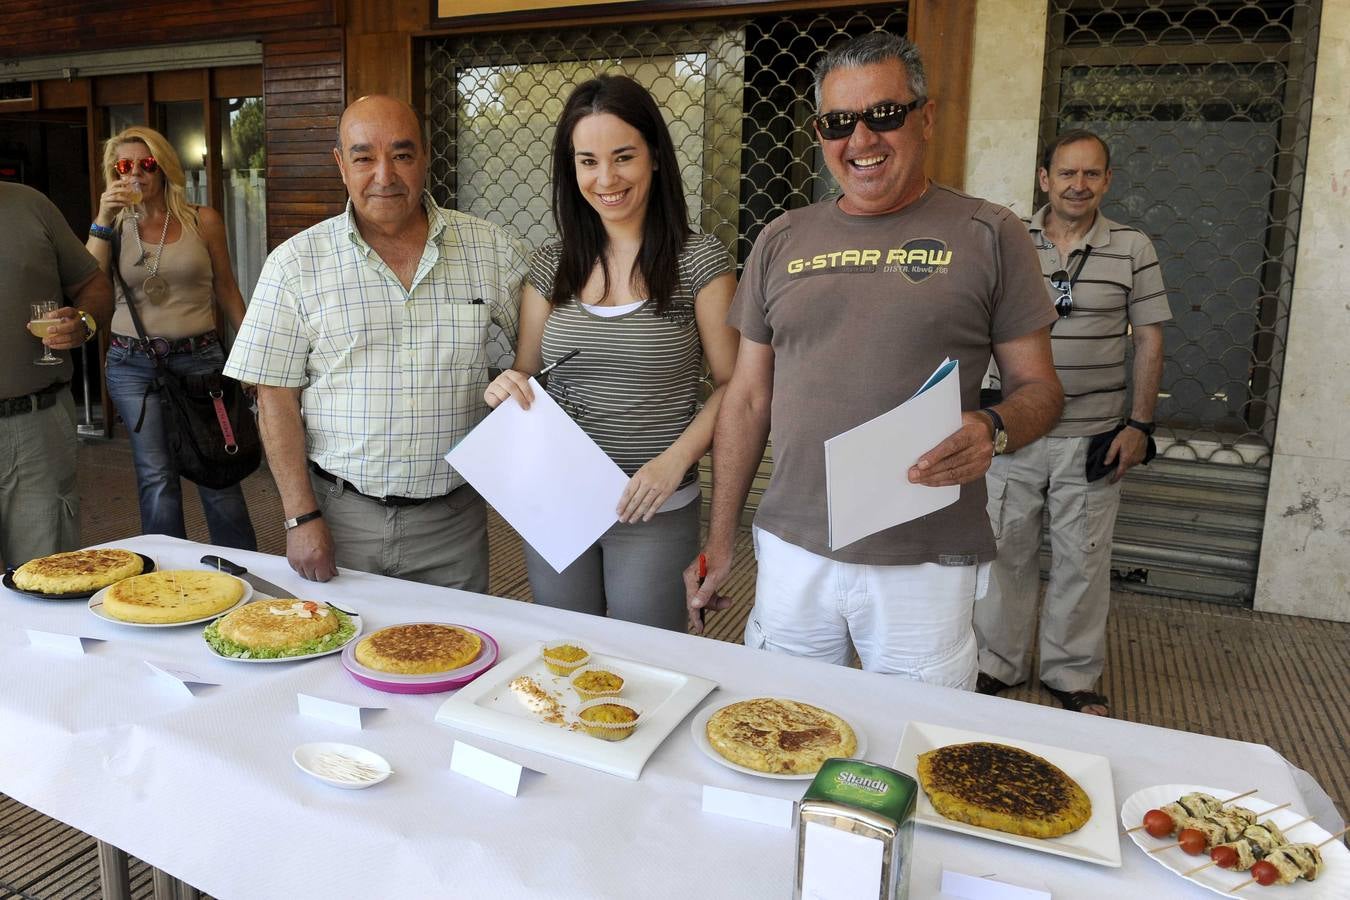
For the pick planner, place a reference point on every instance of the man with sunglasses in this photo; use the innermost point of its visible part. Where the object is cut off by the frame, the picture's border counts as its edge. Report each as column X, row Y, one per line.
column 844, row 309
column 41, row 260
column 1107, row 289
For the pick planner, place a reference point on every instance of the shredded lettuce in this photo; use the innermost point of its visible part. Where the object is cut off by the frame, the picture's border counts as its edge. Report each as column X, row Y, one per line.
column 331, row 641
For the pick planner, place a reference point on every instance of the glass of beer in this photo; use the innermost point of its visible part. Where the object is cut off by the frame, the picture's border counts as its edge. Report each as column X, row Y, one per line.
column 136, row 198
column 41, row 322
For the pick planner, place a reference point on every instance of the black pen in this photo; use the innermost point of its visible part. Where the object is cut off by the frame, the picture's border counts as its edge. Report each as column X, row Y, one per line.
column 558, row 362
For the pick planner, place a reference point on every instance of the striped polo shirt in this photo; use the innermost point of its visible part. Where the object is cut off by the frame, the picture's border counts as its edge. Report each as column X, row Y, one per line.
column 634, row 386
column 1119, row 287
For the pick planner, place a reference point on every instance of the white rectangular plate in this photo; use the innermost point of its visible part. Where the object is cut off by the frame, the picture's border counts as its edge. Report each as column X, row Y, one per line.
column 487, row 707
column 1096, row 842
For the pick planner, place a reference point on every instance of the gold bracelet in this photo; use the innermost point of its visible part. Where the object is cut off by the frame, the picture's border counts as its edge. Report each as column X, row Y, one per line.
column 90, row 325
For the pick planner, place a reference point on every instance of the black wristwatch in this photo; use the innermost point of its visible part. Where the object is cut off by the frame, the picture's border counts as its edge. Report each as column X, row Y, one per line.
column 300, row 520
column 1145, row 427
column 1000, row 433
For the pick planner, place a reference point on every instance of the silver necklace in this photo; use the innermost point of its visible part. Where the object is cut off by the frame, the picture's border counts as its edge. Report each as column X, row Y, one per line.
column 155, row 286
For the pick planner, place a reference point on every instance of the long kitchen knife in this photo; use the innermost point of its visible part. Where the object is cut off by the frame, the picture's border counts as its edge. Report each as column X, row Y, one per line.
column 261, row 584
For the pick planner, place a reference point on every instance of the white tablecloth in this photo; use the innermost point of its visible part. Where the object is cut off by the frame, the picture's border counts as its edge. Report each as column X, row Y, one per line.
column 205, row 789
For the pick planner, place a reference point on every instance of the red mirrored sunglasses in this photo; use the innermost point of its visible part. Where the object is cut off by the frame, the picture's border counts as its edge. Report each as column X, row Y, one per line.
column 149, row 165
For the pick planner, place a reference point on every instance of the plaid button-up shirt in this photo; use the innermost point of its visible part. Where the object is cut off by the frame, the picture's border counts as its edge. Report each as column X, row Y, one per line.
column 391, row 378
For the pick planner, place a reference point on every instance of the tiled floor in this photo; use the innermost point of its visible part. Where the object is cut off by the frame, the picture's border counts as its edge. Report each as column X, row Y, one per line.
column 1234, row 673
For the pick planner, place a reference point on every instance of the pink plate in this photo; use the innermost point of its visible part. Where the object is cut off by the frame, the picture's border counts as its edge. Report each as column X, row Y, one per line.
column 423, row 684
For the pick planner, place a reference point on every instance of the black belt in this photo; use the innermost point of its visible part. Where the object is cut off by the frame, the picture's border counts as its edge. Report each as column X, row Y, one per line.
column 38, row 400
column 383, row 501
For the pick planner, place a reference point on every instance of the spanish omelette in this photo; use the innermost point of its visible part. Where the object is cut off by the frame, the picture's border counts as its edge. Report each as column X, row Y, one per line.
column 781, row 737
column 420, row 648
column 77, row 571
column 167, row 597
column 1004, row 788
column 277, row 624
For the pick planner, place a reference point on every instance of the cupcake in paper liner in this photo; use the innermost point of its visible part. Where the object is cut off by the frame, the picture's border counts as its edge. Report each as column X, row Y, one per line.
column 592, row 682
column 609, row 718
column 565, row 657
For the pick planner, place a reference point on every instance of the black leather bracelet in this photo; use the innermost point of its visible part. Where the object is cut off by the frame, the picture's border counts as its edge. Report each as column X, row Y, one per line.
column 300, row 520
column 1145, row 427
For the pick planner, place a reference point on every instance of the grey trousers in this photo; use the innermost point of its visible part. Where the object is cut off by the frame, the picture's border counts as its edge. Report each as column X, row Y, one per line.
column 1048, row 473
column 634, row 572
column 39, row 500
column 441, row 542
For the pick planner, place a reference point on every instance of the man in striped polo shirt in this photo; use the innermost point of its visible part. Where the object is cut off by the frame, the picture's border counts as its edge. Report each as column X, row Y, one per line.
column 1107, row 287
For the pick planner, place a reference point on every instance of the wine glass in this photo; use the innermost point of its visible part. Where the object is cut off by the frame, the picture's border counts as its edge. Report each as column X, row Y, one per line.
column 39, row 324
column 137, row 198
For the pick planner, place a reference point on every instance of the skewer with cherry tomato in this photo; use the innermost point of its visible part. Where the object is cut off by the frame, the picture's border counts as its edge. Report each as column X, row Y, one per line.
column 1255, row 843
column 1223, row 826
column 1164, row 822
column 1287, row 864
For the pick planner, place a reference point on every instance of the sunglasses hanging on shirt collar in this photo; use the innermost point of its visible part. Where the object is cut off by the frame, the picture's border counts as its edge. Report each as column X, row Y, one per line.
column 1062, row 284
column 148, row 164
column 840, row 124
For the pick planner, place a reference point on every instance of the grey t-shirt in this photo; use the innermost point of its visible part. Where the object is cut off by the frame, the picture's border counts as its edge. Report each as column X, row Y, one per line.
column 40, row 259
column 859, row 311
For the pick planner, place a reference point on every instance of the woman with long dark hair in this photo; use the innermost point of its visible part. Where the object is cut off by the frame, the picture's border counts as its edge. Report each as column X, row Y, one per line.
column 174, row 261
column 644, row 299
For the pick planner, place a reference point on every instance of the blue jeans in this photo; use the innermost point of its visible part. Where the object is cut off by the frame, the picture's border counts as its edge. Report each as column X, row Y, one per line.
column 130, row 372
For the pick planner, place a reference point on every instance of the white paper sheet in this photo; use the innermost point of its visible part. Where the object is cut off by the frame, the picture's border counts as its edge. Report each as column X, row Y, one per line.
column 544, row 475
column 867, row 467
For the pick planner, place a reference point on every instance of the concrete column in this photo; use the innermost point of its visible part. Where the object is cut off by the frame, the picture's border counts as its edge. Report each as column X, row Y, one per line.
column 1304, row 549
column 1008, row 66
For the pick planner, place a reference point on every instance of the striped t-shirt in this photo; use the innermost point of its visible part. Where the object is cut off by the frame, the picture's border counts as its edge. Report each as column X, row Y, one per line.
column 633, row 388
column 1120, row 285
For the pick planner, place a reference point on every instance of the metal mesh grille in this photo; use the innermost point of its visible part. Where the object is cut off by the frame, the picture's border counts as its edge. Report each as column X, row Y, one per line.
column 736, row 93
column 1206, row 106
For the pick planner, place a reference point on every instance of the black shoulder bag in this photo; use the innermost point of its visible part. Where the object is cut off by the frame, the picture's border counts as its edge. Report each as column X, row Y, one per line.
column 208, row 419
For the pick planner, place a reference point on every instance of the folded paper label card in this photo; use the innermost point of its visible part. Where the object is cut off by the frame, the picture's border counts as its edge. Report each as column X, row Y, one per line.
column 330, row 710
column 51, row 640
column 486, row 768
column 975, row 887
column 175, row 678
column 751, row 807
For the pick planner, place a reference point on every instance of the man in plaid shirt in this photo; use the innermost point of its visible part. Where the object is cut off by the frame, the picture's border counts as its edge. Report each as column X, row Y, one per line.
column 367, row 336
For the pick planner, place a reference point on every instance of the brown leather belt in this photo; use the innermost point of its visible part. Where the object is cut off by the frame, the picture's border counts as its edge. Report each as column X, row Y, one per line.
column 162, row 347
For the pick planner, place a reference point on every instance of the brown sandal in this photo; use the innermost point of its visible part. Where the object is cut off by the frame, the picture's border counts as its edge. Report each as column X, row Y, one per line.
column 1077, row 700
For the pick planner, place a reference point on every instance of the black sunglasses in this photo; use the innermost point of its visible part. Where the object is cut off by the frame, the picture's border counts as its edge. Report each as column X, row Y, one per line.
column 1059, row 280
column 882, row 117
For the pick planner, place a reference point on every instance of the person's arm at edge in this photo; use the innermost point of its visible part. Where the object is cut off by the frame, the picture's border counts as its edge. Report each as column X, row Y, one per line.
column 515, row 381
column 1130, row 445
column 720, row 342
column 1032, row 402
column 309, row 547
column 223, row 285
column 92, row 295
column 739, row 437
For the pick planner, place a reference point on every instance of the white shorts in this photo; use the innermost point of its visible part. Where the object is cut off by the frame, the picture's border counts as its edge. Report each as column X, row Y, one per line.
column 913, row 621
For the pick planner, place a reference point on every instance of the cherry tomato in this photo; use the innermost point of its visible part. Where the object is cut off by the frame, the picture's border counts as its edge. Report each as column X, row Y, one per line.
column 1265, row 873
column 311, row 606
column 1224, row 857
column 1192, row 841
column 1158, row 823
